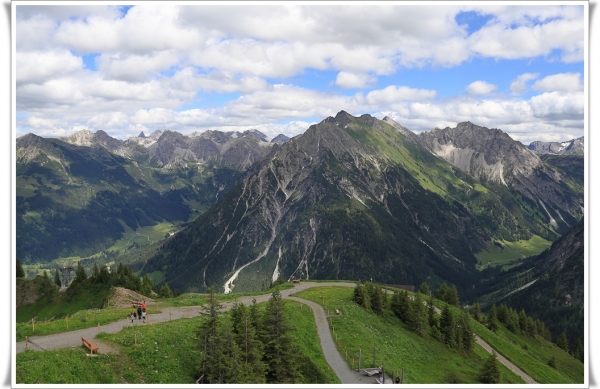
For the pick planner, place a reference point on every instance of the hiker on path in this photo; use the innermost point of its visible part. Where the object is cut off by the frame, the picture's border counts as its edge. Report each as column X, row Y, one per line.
column 144, row 316
column 132, row 315
column 139, row 312
column 144, row 306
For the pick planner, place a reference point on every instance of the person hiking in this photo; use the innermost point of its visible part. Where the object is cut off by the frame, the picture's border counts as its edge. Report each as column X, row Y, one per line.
column 131, row 316
column 144, row 306
column 139, row 312
column 144, row 316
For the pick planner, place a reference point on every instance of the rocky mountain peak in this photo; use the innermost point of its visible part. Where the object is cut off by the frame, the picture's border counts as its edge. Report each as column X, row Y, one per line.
column 142, row 135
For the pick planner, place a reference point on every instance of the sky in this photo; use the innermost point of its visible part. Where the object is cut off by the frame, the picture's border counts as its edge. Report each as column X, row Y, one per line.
column 280, row 67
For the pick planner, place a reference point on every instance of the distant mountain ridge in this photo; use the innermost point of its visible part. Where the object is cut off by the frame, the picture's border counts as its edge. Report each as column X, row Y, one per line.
column 570, row 147
column 164, row 148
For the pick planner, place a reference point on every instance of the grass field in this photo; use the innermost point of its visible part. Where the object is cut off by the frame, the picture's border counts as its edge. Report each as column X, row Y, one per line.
column 511, row 253
column 162, row 353
column 425, row 360
column 142, row 236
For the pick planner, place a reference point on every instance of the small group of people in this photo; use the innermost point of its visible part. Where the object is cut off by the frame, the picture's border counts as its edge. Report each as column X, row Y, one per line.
column 141, row 311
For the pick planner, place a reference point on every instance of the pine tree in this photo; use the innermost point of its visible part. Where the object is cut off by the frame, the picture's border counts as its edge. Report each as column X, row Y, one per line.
column 279, row 350
column 452, row 296
column 492, row 319
column 251, row 348
column 96, row 271
column 377, row 300
column 20, row 271
column 359, row 294
column 523, row 322
column 447, row 326
column 490, row 372
column 57, row 278
column 476, row 311
column 146, row 288
column 418, row 319
column 80, row 275
column 531, row 330
column 431, row 318
column 466, row 332
column 562, row 342
column 424, row 289
column 503, row 314
column 165, row 291
column 211, row 342
column 578, row 351
column 442, row 291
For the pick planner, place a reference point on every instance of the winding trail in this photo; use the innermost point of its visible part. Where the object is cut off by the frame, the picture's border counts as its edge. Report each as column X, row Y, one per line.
column 332, row 355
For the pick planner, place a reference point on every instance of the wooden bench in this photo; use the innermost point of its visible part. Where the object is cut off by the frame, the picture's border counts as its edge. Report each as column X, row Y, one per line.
column 90, row 345
column 295, row 281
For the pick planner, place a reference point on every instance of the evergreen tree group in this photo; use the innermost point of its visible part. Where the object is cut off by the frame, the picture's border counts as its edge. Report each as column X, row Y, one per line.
column 250, row 346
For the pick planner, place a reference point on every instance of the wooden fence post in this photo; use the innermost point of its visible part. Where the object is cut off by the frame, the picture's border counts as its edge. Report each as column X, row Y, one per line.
column 26, row 344
column 33, row 324
column 169, row 315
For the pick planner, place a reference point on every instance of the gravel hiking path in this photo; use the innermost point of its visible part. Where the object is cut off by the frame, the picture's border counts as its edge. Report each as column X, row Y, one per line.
column 346, row 375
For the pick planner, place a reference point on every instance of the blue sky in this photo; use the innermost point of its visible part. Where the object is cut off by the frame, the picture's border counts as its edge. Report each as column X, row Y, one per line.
column 280, row 67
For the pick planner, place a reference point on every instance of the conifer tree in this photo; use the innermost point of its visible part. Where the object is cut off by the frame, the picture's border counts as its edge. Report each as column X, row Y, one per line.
column 165, row 291
column 490, row 372
column 95, row 271
column 562, row 342
column 146, row 287
column 405, row 311
column 250, row 346
column 466, row 332
column 523, row 322
column 57, row 278
column 424, row 289
column 80, row 275
column 578, row 351
column 447, row 326
column 418, row 318
column 278, row 351
column 431, row 318
column 441, row 292
column 492, row 319
column 211, row 342
column 20, row 271
column 476, row 311
column 377, row 300
column 359, row 294
column 503, row 314
column 531, row 330
column 452, row 296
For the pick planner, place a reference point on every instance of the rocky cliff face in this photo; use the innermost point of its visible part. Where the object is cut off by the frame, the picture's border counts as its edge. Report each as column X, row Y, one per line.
column 491, row 155
column 571, row 147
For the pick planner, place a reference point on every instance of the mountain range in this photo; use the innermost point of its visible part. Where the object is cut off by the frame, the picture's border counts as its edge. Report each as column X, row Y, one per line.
column 362, row 198
column 77, row 195
column 350, row 198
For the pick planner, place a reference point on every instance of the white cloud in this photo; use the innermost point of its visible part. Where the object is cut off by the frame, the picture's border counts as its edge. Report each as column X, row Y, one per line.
column 349, row 80
column 519, row 85
column 394, row 94
column 480, row 88
column 562, row 82
column 558, row 105
column 38, row 67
